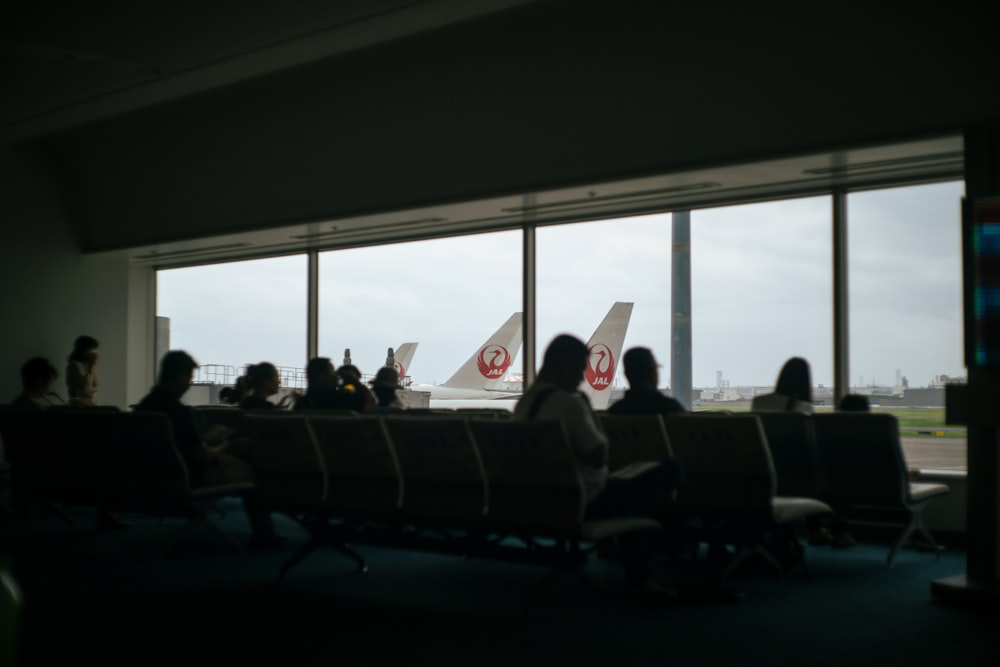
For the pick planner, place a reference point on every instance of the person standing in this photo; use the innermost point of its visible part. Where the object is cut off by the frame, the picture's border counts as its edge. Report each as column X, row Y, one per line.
column 81, row 372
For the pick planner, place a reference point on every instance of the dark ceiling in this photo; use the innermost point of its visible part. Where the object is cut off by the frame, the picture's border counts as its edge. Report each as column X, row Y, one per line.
column 547, row 110
column 62, row 63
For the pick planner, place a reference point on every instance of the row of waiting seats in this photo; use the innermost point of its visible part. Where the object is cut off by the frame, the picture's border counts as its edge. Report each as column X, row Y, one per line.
column 731, row 478
column 108, row 459
column 851, row 461
column 479, row 487
column 439, row 481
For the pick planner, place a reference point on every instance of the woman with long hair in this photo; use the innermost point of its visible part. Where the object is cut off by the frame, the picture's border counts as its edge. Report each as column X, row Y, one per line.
column 261, row 382
column 792, row 392
column 81, row 372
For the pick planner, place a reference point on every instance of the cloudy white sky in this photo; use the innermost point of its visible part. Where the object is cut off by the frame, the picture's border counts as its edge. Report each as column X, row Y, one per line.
column 761, row 292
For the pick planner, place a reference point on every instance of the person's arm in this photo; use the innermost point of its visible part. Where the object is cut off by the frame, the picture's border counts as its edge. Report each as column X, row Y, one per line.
column 206, row 453
column 188, row 436
column 74, row 379
column 288, row 400
column 591, row 443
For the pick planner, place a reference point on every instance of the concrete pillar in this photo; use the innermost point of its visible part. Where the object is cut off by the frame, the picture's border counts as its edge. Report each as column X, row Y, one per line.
column 977, row 404
column 680, row 309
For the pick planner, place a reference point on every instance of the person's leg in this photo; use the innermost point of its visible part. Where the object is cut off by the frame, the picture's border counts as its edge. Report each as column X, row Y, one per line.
column 228, row 469
column 841, row 532
column 818, row 533
column 641, row 495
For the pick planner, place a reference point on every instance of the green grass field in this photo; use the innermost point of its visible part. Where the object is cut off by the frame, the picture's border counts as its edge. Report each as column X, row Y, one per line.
column 914, row 422
column 923, row 421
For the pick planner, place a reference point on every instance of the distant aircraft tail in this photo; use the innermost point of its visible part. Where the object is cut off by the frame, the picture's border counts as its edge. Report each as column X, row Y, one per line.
column 402, row 357
column 605, row 351
column 489, row 364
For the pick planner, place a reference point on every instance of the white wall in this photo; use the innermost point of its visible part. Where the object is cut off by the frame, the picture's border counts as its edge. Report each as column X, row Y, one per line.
column 53, row 293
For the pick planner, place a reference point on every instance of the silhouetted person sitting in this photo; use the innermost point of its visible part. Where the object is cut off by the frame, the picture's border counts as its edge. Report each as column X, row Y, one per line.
column 233, row 395
column 37, row 376
column 357, row 396
column 792, row 392
column 385, row 387
column 642, row 396
column 208, row 463
column 854, row 403
column 81, row 372
column 262, row 382
column 554, row 396
column 323, row 387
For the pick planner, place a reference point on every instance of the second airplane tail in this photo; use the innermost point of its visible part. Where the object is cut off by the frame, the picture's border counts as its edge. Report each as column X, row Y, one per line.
column 402, row 357
column 605, row 351
column 488, row 365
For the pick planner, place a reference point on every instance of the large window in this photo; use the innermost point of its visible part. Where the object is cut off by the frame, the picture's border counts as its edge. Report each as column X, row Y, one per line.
column 905, row 286
column 761, row 288
column 446, row 295
column 761, row 293
column 905, row 296
column 237, row 313
column 583, row 269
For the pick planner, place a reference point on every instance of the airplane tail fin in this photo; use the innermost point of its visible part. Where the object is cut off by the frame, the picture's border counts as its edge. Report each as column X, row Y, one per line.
column 487, row 367
column 605, row 351
column 402, row 358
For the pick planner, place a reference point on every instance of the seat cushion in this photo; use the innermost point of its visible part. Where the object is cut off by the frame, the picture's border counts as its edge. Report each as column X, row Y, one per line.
column 920, row 491
column 791, row 508
column 602, row 529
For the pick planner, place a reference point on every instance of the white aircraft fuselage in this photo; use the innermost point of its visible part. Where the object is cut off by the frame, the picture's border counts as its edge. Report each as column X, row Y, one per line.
column 442, row 393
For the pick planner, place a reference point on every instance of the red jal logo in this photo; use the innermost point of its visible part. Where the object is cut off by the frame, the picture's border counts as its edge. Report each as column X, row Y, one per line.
column 600, row 367
column 493, row 361
column 400, row 371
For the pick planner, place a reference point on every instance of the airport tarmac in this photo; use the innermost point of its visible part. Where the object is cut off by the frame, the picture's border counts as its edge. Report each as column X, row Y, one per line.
column 929, row 452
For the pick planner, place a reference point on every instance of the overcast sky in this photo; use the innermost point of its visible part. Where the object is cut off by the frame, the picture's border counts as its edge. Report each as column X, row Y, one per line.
column 761, row 292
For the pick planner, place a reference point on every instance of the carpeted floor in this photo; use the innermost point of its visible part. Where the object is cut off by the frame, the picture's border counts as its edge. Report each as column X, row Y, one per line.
column 113, row 598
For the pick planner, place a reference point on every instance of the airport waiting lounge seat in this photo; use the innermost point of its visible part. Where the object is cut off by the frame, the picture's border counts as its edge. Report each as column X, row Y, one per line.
column 110, row 460
column 363, row 484
column 536, row 497
column 444, row 484
column 730, row 487
column 867, row 473
column 228, row 416
column 147, row 474
column 791, row 439
column 634, row 439
column 288, row 469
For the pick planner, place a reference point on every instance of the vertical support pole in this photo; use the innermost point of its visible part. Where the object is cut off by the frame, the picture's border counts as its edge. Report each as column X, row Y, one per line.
column 312, row 305
column 841, row 340
column 680, row 308
column 528, row 296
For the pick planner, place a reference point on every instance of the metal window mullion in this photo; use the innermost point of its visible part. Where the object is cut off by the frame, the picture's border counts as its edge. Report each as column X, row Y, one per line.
column 312, row 305
column 841, row 330
column 528, row 295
